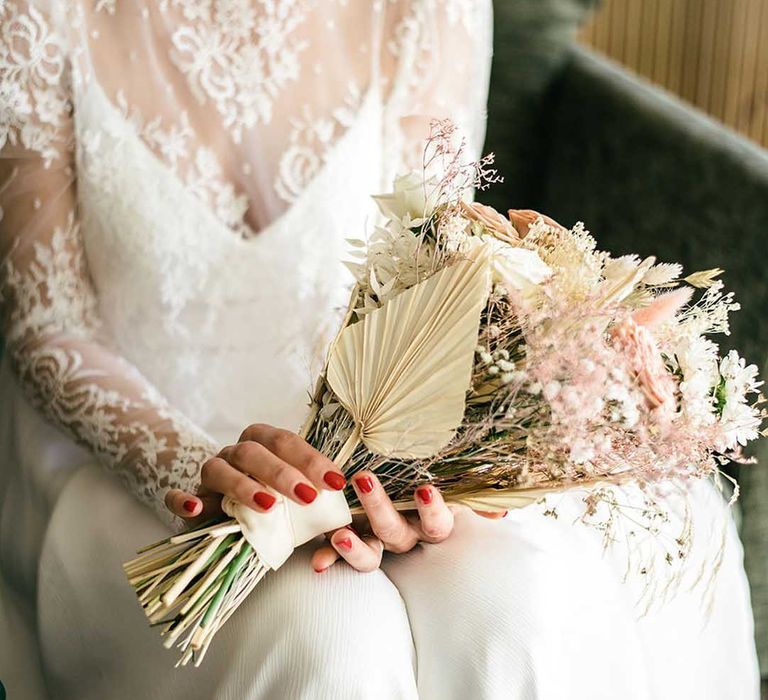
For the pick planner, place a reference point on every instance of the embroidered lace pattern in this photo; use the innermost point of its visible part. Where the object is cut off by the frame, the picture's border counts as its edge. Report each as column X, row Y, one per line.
column 242, row 104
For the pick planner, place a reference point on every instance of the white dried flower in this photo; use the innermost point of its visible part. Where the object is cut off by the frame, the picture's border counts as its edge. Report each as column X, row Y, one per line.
column 516, row 268
column 697, row 361
column 741, row 423
column 454, row 233
column 662, row 273
column 582, row 451
column 412, row 200
column 739, row 378
column 551, row 390
column 618, row 268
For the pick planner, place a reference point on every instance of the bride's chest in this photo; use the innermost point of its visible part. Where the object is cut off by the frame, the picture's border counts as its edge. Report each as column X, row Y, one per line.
column 156, row 245
column 244, row 102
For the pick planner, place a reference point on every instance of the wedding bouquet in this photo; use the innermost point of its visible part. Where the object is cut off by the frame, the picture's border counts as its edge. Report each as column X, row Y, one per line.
column 500, row 359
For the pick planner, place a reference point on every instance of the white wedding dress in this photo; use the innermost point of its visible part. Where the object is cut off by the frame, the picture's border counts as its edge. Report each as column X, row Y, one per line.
column 177, row 179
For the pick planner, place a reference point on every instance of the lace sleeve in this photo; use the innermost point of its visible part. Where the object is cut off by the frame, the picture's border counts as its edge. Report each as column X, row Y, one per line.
column 436, row 61
column 49, row 310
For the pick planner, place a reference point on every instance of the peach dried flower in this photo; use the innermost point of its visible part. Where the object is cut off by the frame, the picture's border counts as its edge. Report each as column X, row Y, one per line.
column 523, row 219
column 644, row 358
column 490, row 220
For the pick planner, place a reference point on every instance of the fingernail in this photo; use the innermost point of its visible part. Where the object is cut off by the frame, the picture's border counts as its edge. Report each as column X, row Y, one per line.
column 319, row 571
column 424, row 494
column 335, row 480
column 190, row 505
column 505, row 514
column 264, row 500
column 345, row 543
column 305, row 492
column 364, row 483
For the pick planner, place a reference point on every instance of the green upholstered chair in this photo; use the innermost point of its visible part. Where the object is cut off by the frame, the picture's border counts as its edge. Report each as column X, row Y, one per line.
column 583, row 140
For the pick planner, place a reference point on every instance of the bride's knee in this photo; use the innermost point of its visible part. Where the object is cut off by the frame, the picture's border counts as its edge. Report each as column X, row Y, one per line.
column 340, row 628
column 489, row 582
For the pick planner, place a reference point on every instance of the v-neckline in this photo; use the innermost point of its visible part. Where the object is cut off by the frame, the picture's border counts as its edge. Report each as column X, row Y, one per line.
column 288, row 212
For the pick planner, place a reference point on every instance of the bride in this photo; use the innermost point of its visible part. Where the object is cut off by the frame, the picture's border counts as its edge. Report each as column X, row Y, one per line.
column 177, row 179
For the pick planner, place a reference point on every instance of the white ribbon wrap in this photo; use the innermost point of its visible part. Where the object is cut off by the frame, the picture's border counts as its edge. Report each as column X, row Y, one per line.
column 275, row 534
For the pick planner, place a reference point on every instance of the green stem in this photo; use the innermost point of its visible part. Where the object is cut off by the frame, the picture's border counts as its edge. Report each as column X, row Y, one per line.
column 232, row 571
column 225, row 544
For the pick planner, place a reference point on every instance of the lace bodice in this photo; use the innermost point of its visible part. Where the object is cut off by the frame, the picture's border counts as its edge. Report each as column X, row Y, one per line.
column 177, row 179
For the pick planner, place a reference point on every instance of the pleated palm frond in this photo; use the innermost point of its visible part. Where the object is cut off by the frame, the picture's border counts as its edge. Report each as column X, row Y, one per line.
column 404, row 369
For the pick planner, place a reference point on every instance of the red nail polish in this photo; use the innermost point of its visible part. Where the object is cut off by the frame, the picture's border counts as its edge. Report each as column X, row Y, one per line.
column 190, row 505
column 345, row 543
column 424, row 494
column 335, row 480
column 364, row 483
column 264, row 500
column 305, row 492
column 319, row 571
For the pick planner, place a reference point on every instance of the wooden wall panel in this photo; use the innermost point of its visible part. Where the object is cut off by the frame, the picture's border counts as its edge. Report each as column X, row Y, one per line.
column 712, row 53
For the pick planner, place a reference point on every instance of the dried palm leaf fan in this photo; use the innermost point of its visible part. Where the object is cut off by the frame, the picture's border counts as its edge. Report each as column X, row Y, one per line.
column 404, row 370
column 402, row 373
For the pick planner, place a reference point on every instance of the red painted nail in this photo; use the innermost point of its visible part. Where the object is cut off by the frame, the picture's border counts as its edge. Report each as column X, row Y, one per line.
column 190, row 505
column 364, row 483
column 264, row 500
column 319, row 571
column 335, row 480
column 424, row 494
column 345, row 543
column 305, row 492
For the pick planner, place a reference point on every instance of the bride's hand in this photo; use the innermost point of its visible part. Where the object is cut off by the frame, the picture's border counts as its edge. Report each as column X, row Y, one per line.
column 263, row 456
column 390, row 530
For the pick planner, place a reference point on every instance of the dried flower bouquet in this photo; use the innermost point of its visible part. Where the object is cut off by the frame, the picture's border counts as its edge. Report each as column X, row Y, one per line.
column 500, row 359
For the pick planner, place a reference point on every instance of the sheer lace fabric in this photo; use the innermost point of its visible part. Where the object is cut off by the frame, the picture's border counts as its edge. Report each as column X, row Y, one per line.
column 159, row 165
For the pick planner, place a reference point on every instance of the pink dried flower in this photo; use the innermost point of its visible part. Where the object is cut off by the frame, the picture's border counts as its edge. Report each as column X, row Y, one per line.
column 645, row 361
column 663, row 308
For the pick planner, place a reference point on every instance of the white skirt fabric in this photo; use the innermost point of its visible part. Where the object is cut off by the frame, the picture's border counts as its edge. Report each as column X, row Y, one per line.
column 530, row 607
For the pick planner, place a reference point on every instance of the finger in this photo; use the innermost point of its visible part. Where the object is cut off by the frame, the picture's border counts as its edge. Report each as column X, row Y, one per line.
column 221, row 477
column 183, row 504
column 194, row 510
column 361, row 554
column 492, row 515
column 387, row 524
column 255, row 459
column 297, row 452
column 323, row 558
column 435, row 518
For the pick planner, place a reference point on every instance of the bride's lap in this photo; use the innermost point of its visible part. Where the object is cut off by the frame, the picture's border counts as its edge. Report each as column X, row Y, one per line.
column 527, row 607
column 340, row 634
column 534, row 607
column 521, row 604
